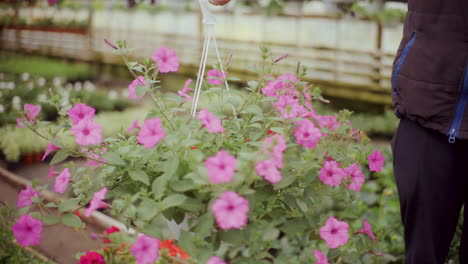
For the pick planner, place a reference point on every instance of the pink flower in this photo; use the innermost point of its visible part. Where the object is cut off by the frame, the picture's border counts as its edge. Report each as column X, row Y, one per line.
column 274, row 146
column 185, row 90
column 230, row 210
column 215, row 260
column 376, row 161
column 61, row 182
column 140, row 80
column 268, row 170
column 210, row 121
column 92, row 257
column 367, row 230
column 289, row 107
column 27, row 231
column 321, row 258
column 145, row 249
column 135, row 126
column 30, row 114
column 50, row 147
column 151, row 133
column 80, row 112
column 221, row 167
column 51, row 172
column 327, row 121
column 97, row 202
column 25, row 195
column 355, row 176
column 307, row 134
column 166, row 59
column 87, row 132
column 331, row 174
column 18, row 123
column 335, row 232
column 216, row 77
column 31, row 111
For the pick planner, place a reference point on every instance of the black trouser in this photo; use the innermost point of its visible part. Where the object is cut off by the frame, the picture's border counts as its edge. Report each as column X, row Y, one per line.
column 432, row 180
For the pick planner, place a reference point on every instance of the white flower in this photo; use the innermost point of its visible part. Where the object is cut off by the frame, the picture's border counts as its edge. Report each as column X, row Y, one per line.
column 2, row 108
column 41, row 81
column 78, row 86
column 25, row 76
column 30, row 85
column 89, row 86
column 57, row 81
column 69, row 86
column 42, row 98
column 10, row 85
column 16, row 102
column 113, row 95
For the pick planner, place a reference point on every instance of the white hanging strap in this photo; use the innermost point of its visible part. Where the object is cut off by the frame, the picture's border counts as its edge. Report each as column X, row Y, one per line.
column 209, row 21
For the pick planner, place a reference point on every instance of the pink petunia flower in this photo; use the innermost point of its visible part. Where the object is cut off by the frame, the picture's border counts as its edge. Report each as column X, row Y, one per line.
column 25, row 195
column 185, row 90
column 355, row 176
column 210, row 121
column 307, row 134
column 95, row 161
column 61, row 182
column 140, row 80
column 282, row 85
column 367, row 230
column 151, row 133
column 268, row 170
column 87, row 132
column 216, row 77
column 166, row 59
column 27, row 231
column 31, row 111
column 230, row 210
column 289, row 107
column 135, row 126
column 327, row 121
column 51, row 172
column 80, row 112
column 92, row 257
column 376, row 161
column 215, row 260
column 96, row 202
column 50, row 147
column 331, row 174
column 274, row 147
column 145, row 249
column 19, row 123
column 221, row 167
column 335, row 232
column 321, row 258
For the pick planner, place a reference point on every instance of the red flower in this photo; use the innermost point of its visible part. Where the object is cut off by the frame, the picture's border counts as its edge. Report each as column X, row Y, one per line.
column 92, row 257
column 194, row 147
column 77, row 213
column 174, row 250
column 110, row 230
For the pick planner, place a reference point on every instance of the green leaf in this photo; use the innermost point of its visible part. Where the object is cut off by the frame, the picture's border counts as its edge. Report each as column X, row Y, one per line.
column 60, row 156
column 147, row 210
column 183, row 185
column 186, row 243
column 235, row 237
column 270, row 234
column 113, row 158
column 253, row 85
column 36, row 215
column 22, row 211
column 205, row 223
column 141, row 90
column 139, row 175
column 68, row 205
column 254, row 109
column 192, row 205
column 159, row 186
column 173, row 201
column 174, row 98
column 51, row 219
column 72, row 220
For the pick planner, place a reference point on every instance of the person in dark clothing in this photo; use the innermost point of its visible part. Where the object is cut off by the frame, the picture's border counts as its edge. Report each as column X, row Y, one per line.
column 430, row 147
